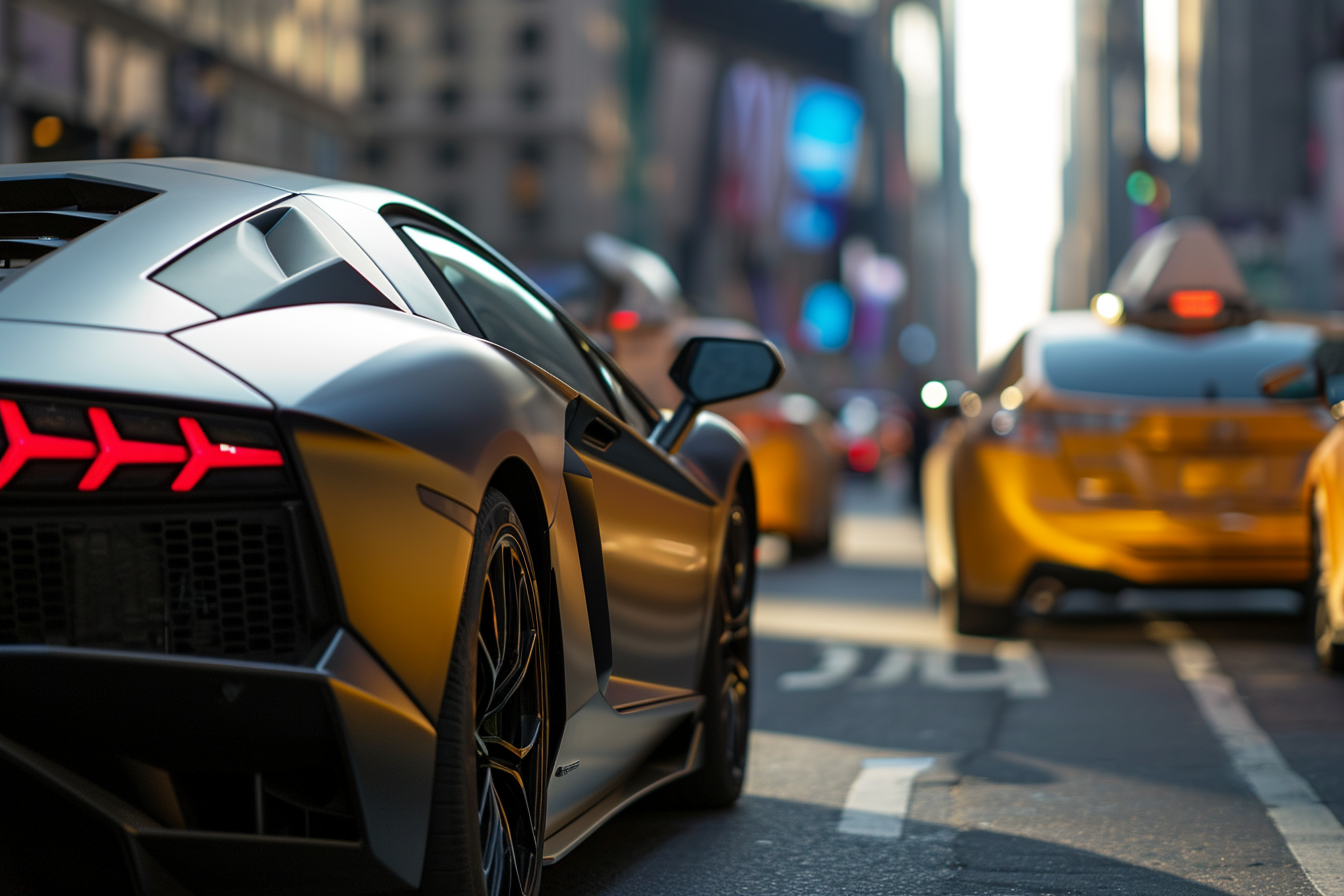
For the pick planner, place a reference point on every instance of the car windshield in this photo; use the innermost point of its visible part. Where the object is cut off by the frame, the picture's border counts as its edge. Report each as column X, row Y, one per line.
column 1143, row 363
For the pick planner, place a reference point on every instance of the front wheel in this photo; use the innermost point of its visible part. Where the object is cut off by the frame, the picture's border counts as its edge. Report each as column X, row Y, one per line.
column 727, row 675
column 966, row 617
column 489, row 802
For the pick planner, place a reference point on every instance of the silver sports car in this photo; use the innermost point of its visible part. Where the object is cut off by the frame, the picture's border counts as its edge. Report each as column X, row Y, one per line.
column 333, row 557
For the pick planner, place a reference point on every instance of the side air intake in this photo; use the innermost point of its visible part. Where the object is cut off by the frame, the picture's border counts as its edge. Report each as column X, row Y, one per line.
column 40, row 215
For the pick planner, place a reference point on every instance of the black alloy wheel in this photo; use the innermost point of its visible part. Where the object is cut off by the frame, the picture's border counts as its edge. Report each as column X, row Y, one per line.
column 510, row 696
column 488, row 818
column 727, row 674
column 735, row 589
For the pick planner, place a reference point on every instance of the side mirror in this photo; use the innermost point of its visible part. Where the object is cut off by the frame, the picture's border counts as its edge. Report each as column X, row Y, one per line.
column 711, row 369
column 1298, row 379
column 1330, row 375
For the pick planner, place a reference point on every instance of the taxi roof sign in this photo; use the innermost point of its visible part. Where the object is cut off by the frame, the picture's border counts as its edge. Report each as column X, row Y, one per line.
column 1181, row 276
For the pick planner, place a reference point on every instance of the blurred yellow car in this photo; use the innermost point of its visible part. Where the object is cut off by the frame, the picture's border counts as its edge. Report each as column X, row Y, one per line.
column 795, row 456
column 1132, row 446
column 1324, row 491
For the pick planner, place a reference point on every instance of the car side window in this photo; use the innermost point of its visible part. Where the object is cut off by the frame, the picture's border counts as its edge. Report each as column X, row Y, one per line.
column 630, row 409
column 511, row 316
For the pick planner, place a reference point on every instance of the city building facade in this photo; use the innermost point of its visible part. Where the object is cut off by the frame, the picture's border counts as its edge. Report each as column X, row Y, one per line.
column 269, row 82
column 1250, row 145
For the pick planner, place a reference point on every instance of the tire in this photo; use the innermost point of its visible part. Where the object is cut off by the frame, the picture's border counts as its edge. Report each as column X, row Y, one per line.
column 1316, row 608
column 489, row 800
column 815, row 545
column 966, row 617
column 727, row 676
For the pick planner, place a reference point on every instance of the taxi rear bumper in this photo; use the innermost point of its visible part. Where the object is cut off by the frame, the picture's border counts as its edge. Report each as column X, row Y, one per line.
column 1004, row 532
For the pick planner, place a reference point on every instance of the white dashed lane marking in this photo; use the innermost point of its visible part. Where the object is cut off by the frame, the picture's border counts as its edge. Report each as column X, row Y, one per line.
column 879, row 798
column 1018, row 671
column 1311, row 831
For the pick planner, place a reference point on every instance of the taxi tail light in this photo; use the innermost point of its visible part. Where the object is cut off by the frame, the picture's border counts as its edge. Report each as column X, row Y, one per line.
column 864, row 454
column 110, row 450
column 1195, row 304
column 1024, row 428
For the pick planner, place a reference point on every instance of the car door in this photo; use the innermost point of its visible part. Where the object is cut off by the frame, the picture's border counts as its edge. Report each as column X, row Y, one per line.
column 653, row 519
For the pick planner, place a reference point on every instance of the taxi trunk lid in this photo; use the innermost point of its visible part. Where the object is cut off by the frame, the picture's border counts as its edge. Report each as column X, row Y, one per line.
column 1220, row 458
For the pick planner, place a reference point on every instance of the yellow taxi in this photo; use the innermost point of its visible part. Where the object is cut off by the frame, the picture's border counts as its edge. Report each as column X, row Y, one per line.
column 1132, row 446
column 795, row 456
column 1324, row 497
column 643, row 320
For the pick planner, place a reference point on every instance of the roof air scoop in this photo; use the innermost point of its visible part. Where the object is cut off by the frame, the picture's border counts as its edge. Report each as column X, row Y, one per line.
column 275, row 258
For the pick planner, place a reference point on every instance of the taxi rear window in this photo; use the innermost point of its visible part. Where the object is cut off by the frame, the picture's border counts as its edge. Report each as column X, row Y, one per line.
column 1140, row 363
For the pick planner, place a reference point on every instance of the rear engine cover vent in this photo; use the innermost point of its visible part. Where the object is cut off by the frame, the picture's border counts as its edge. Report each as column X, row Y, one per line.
column 40, row 215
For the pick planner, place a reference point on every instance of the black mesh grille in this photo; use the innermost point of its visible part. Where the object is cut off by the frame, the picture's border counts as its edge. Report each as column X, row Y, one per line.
column 206, row 583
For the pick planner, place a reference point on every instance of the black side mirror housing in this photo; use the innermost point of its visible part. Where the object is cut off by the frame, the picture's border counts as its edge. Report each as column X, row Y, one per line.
column 1330, row 375
column 1297, row 380
column 710, row 369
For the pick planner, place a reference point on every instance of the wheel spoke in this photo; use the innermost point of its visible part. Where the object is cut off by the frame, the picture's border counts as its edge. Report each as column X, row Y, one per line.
column 494, row 836
column 509, row 754
column 523, row 838
column 510, row 728
column 505, row 868
column 507, row 685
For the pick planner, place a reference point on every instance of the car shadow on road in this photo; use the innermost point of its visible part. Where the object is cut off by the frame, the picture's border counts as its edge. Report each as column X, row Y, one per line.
column 1119, row 628
column 779, row 847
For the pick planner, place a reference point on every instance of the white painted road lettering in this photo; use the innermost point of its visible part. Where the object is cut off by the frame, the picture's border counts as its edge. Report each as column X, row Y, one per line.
column 838, row 663
column 1018, row 671
column 894, row 667
column 879, row 798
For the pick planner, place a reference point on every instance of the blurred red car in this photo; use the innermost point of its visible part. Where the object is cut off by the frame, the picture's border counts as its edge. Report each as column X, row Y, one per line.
column 873, row 426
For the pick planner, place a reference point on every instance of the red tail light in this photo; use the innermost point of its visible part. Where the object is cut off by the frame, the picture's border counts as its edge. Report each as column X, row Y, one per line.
column 111, row 450
column 25, row 445
column 864, row 454
column 207, row 456
column 1195, row 304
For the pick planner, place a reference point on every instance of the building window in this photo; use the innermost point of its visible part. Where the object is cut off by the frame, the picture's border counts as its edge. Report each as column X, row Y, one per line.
column 451, row 98
column 449, row 154
column 452, row 40
column 532, row 152
column 375, row 154
column 529, row 95
column 453, row 207
column 530, row 39
column 378, row 43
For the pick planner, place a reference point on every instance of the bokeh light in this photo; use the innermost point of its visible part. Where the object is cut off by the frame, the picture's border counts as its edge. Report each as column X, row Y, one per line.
column 934, row 394
column 1141, row 188
column 1108, row 306
column 47, row 131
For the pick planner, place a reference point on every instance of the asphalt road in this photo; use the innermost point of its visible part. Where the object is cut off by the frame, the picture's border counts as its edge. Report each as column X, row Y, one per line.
column 1098, row 754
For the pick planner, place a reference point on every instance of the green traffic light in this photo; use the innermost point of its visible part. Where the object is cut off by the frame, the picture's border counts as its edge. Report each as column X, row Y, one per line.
column 1141, row 188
